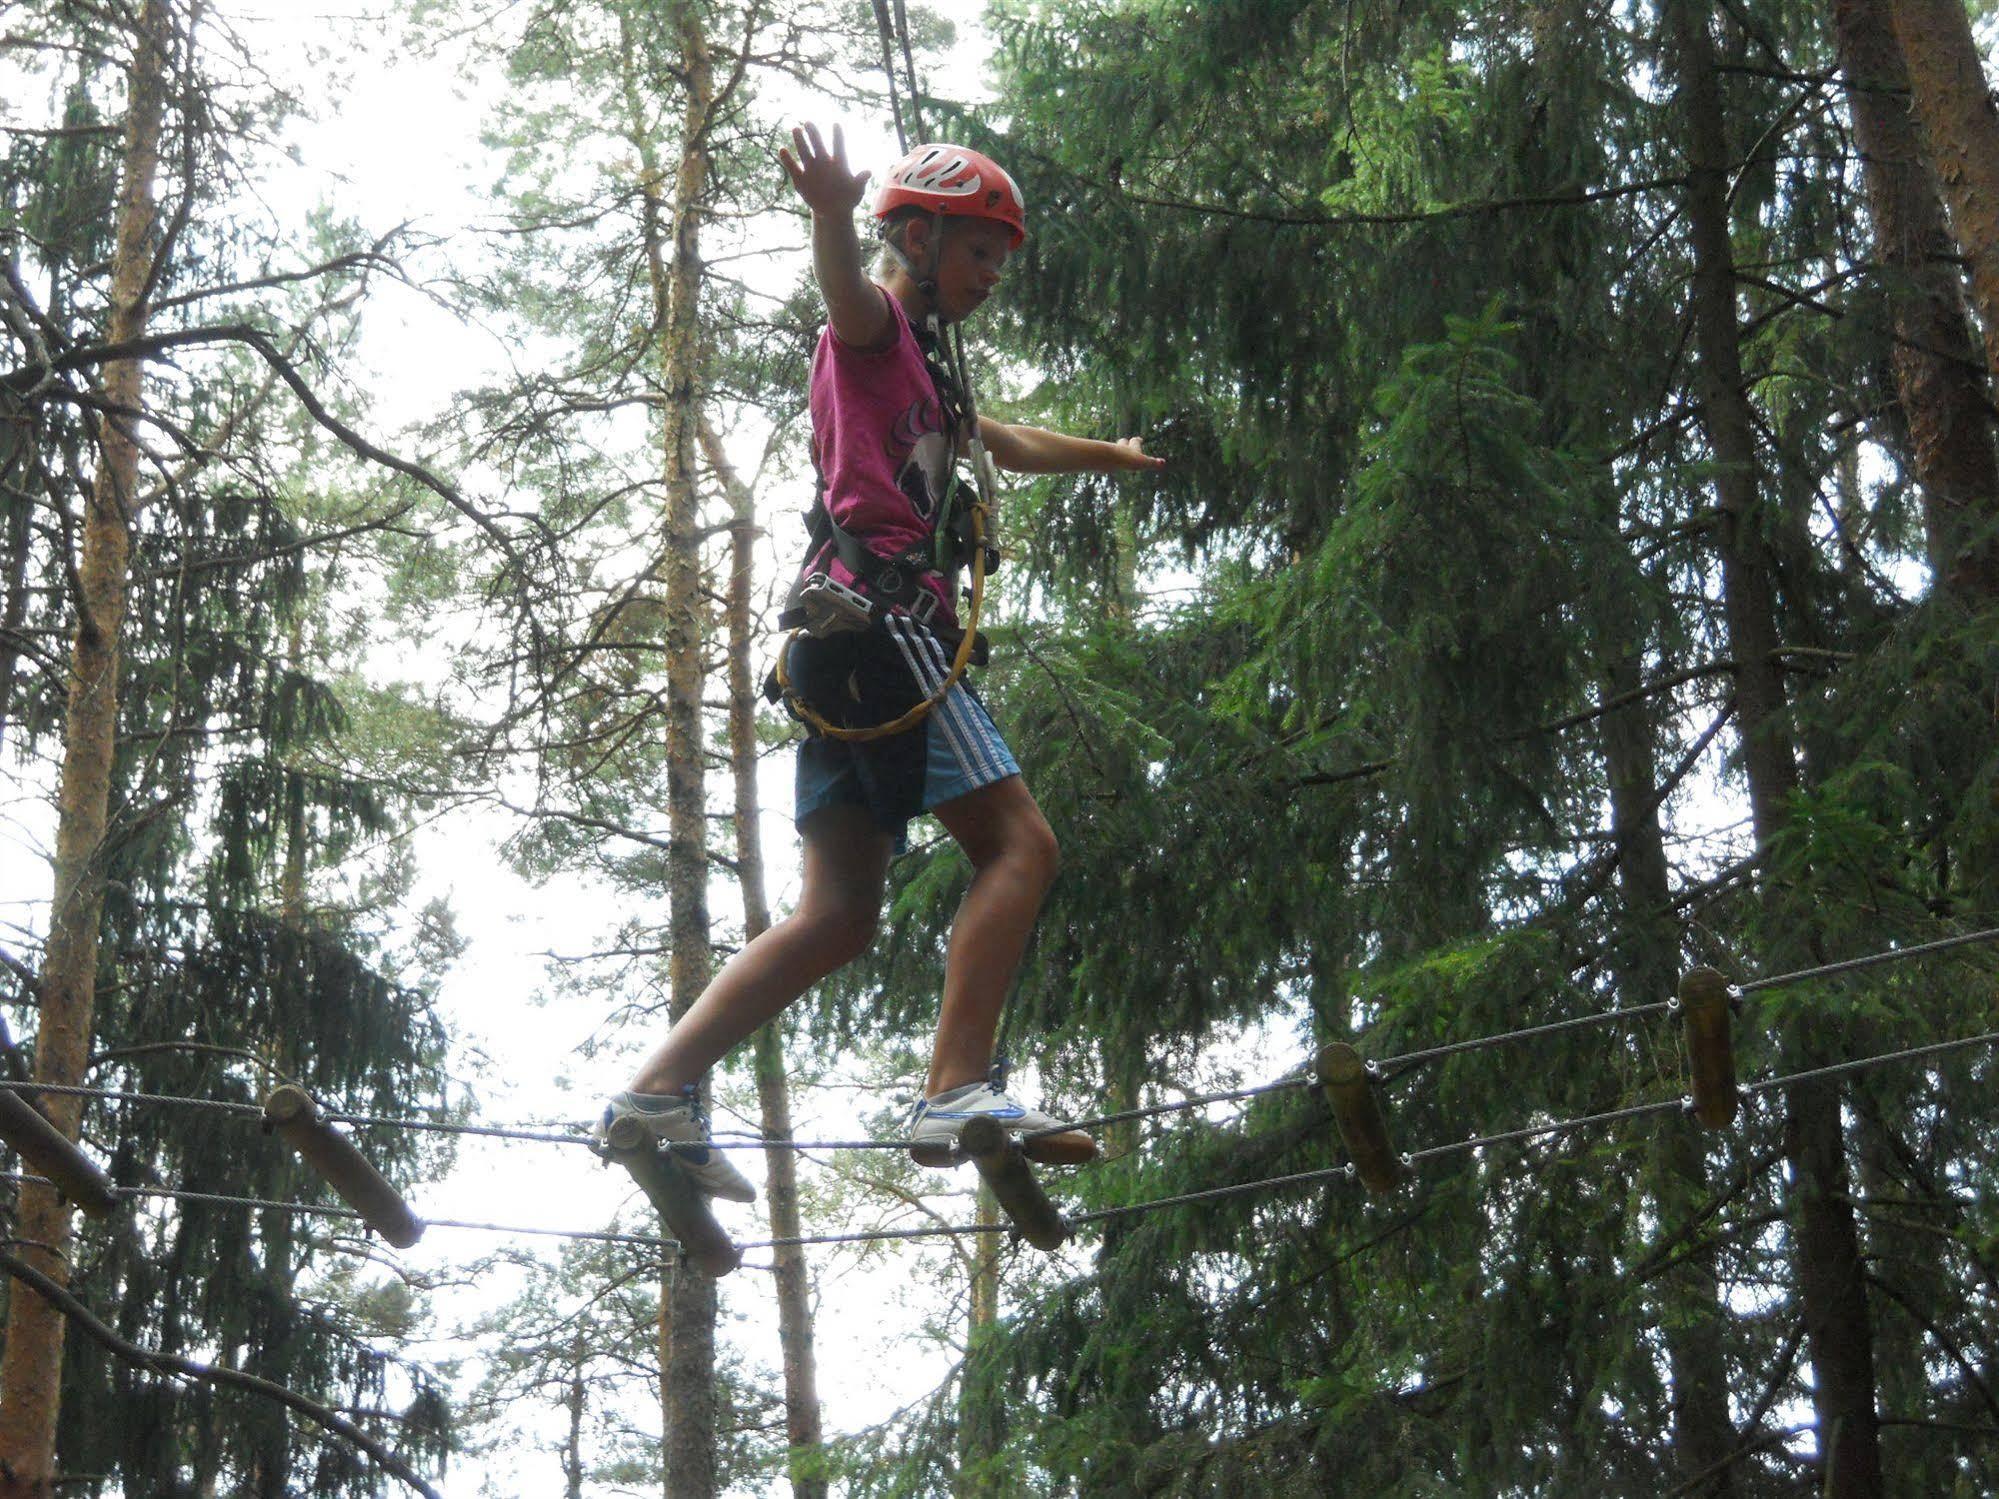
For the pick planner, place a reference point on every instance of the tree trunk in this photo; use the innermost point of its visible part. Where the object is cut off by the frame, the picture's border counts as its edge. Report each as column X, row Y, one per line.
column 1938, row 376
column 1948, row 89
column 672, row 217
column 1703, row 1435
column 1748, row 593
column 31, row 1366
column 572, row 1447
column 1830, row 1288
column 979, row 1428
column 793, row 1275
column 17, row 439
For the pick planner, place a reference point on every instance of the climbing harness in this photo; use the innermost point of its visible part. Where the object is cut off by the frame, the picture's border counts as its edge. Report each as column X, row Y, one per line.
column 830, row 598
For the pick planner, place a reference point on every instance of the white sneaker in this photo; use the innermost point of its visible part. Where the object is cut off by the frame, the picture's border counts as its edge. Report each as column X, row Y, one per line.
column 680, row 1128
column 933, row 1130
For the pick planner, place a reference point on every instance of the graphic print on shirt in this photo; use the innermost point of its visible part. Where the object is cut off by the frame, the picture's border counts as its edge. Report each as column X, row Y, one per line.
column 920, row 455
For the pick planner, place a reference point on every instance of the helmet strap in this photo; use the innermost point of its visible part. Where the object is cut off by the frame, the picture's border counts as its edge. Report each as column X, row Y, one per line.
column 926, row 281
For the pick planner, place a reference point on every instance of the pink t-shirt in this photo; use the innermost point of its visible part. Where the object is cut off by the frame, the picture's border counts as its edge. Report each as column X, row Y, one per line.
column 878, row 437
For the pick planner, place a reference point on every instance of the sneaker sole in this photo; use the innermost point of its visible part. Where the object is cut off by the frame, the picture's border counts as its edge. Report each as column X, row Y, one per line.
column 679, row 1157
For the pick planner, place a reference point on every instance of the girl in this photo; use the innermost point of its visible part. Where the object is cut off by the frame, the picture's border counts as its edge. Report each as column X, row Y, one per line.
column 888, row 424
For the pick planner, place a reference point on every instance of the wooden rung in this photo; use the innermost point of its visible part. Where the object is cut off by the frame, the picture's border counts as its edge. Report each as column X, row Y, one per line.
column 1349, row 1087
column 682, row 1204
column 55, row 1155
column 292, row 1112
column 1707, row 1004
column 1003, row 1165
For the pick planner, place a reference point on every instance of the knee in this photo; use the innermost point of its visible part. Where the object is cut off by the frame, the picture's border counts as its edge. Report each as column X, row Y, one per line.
column 1039, row 853
column 841, row 933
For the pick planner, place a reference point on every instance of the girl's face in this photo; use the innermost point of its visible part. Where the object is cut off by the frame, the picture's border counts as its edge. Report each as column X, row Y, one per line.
column 975, row 253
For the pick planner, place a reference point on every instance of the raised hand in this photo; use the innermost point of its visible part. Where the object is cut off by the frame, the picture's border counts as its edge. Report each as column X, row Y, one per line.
column 821, row 176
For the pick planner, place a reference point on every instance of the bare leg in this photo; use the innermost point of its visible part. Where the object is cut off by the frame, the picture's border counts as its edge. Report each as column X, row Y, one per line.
column 845, row 858
column 1014, row 858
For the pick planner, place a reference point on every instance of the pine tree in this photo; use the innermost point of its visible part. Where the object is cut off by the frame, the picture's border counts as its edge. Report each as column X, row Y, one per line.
column 1938, row 384
column 792, row 1273
column 30, row 1371
column 657, row 99
column 1950, row 95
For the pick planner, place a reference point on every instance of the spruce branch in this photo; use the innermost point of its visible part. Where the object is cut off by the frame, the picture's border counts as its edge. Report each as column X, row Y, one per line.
column 605, row 825
column 1665, row 1253
column 1966, row 1366
column 1699, row 1481
column 258, row 341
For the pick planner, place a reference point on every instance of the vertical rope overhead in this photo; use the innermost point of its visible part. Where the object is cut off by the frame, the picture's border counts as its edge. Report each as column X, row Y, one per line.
column 888, row 69
column 909, row 73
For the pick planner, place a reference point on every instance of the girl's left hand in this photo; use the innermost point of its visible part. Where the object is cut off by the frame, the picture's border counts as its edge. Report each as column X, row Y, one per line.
column 1132, row 455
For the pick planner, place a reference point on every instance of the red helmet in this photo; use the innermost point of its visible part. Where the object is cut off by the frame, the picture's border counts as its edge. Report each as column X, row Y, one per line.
column 955, row 180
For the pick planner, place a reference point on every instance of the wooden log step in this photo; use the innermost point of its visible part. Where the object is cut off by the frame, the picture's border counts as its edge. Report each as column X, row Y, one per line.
column 1706, row 1003
column 682, row 1205
column 1348, row 1082
column 292, row 1112
column 55, row 1155
column 1000, row 1160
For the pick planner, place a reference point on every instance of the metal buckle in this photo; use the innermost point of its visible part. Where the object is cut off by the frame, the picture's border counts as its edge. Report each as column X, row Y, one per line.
column 831, row 608
column 924, row 609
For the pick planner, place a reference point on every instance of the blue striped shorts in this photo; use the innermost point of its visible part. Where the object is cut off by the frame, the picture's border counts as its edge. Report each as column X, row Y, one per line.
column 869, row 677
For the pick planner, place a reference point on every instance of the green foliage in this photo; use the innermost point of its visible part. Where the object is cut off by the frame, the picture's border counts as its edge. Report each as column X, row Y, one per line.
column 213, row 985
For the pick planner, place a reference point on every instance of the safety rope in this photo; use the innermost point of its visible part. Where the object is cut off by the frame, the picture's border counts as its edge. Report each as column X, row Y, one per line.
column 888, row 71
column 909, row 71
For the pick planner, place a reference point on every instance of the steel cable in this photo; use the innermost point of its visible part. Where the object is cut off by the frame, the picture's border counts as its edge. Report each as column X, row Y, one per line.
column 323, row 1210
column 1397, row 1065
column 1343, row 1172
column 1435, row 1152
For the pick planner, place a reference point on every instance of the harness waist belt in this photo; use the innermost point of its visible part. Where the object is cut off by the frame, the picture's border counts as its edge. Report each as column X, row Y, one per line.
column 948, row 636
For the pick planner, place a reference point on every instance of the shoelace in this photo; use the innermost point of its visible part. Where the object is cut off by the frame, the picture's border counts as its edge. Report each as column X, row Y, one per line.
column 698, row 1112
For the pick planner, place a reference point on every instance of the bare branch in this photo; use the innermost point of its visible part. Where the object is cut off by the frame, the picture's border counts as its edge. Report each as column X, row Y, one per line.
column 168, row 1365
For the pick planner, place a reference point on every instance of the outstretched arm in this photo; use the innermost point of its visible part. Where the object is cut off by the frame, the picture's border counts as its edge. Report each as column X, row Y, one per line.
column 1035, row 450
column 854, row 304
